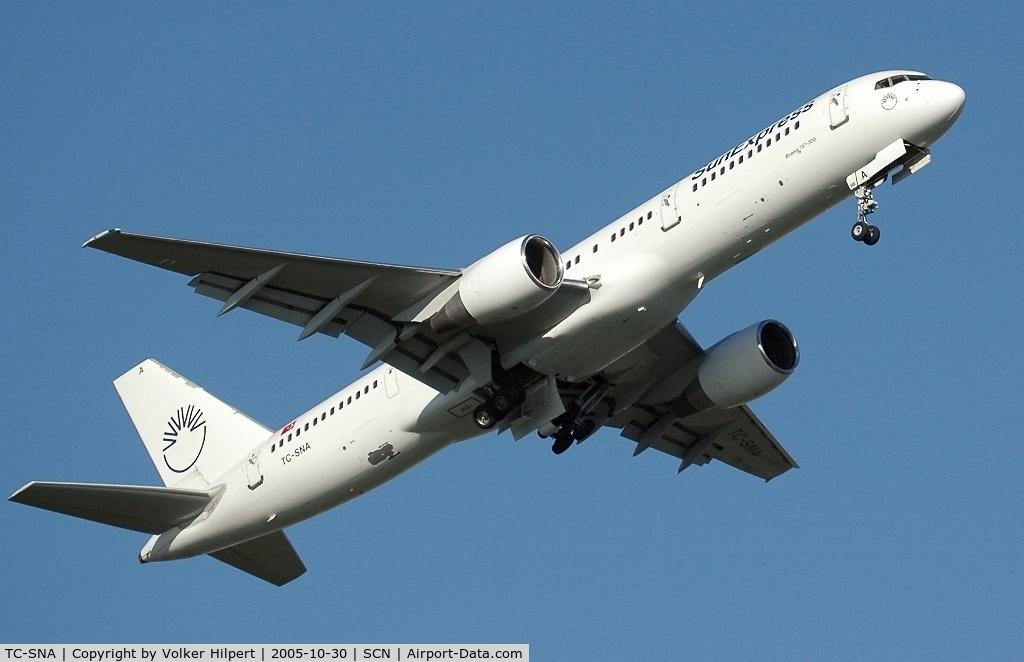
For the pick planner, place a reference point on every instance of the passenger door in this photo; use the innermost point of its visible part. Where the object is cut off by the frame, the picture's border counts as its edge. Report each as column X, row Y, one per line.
column 670, row 213
column 391, row 383
column 252, row 469
column 837, row 109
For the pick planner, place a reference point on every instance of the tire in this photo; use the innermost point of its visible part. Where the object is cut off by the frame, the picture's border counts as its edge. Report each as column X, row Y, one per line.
column 874, row 234
column 859, row 232
column 584, row 429
column 563, row 442
column 503, row 401
column 484, row 417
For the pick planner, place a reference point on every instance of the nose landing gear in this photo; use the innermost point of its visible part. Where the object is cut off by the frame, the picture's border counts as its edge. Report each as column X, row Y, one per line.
column 866, row 204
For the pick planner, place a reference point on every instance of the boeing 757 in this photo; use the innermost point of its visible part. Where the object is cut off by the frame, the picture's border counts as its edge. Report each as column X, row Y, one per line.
column 527, row 339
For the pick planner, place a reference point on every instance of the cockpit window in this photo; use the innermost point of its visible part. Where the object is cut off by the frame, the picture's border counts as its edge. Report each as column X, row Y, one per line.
column 893, row 80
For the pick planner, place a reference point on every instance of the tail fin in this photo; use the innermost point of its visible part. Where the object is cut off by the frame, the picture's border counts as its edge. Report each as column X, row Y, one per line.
column 191, row 436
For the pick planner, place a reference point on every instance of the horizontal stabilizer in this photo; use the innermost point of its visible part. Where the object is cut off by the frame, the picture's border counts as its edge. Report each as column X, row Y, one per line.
column 135, row 507
column 271, row 558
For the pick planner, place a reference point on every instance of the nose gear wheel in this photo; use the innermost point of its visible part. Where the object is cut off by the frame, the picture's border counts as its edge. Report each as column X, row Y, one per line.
column 866, row 205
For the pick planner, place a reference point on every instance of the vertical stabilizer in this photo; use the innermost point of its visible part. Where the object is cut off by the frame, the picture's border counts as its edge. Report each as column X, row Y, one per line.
column 192, row 437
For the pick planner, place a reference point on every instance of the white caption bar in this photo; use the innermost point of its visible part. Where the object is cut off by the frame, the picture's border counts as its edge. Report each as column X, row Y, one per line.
column 260, row 652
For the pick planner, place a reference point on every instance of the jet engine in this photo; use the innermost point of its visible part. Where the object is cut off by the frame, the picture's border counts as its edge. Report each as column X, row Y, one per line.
column 741, row 368
column 506, row 283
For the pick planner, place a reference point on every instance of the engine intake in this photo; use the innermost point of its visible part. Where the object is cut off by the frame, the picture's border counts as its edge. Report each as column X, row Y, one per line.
column 741, row 368
column 506, row 283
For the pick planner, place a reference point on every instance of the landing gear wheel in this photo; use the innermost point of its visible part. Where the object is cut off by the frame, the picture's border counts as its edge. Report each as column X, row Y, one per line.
column 518, row 394
column 503, row 401
column 860, row 231
column 563, row 441
column 484, row 417
column 584, row 430
column 873, row 235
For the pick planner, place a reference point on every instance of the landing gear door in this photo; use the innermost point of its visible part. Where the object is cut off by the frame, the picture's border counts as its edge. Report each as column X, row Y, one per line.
column 837, row 109
column 670, row 214
column 252, row 469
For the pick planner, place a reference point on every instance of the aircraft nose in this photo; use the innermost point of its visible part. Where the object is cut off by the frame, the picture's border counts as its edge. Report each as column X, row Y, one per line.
column 946, row 100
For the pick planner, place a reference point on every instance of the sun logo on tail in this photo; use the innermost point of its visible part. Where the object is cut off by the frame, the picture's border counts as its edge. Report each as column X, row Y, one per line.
column 184, row 438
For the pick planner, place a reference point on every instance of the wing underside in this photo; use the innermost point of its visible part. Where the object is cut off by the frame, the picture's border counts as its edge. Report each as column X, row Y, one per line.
column 382, row 306
column 648, row 378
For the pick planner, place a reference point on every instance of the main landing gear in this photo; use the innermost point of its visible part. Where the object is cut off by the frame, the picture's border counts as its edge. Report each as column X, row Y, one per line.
column 497, row 406
column 575, row 425
column 866, row 204
column 566, row 435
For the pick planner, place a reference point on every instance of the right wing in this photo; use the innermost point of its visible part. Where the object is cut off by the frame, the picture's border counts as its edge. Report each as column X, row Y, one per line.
column 648, row 378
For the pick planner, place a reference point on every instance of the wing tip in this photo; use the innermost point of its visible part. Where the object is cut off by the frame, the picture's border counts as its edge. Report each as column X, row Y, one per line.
column 15, row 497
column 91, row 243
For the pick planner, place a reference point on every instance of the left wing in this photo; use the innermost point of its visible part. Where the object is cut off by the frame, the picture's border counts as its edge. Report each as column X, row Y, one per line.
column 364, row 300
column 382, row 306
column 648, row 378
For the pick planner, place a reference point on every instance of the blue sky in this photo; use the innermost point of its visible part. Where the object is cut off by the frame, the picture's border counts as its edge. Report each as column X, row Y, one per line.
column 430, row 136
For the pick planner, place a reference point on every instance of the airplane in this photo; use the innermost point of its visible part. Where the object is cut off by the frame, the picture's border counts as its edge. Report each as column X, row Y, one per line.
column 527, row 339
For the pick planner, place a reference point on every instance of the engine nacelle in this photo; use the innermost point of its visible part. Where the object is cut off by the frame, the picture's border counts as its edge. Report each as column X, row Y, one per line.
column 512, row 280
column 741, row 368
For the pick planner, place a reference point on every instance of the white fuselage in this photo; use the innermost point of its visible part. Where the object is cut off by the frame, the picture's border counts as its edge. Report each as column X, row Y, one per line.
column 661, row 255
